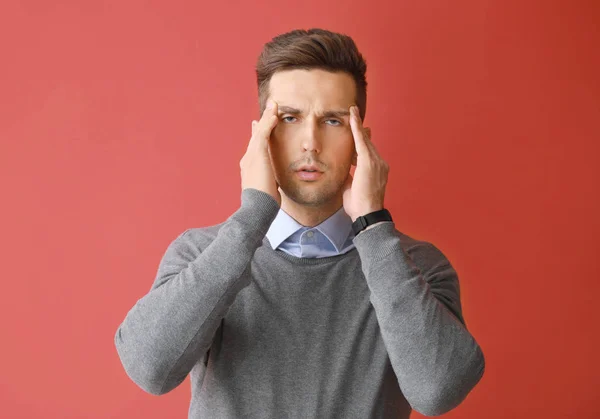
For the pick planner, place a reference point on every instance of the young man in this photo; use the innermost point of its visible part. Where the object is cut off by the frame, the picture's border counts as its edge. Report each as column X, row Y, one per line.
column 306, row 302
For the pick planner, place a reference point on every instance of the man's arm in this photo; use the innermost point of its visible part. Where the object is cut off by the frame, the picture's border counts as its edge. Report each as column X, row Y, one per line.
column 173, row 325
column 435, row 358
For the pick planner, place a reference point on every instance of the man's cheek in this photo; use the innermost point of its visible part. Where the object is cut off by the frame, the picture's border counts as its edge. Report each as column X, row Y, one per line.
column 282, row 133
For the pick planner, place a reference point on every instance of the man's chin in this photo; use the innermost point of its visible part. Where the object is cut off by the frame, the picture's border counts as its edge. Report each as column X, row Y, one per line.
column 309, row 195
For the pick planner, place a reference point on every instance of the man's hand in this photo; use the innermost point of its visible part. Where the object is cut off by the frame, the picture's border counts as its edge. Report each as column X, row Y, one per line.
column 365, row 192
column 255, row 166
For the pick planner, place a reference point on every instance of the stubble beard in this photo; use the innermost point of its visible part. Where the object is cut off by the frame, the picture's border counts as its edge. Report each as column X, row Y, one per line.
column 312, row 194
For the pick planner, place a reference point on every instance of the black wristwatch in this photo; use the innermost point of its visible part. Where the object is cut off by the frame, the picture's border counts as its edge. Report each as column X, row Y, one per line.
column 364, row 221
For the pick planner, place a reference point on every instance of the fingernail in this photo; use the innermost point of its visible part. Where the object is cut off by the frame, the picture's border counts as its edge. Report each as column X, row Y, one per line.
column 269, row 104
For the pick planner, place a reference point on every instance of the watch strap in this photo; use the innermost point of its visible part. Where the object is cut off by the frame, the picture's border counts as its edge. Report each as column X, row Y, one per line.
column 364, row 221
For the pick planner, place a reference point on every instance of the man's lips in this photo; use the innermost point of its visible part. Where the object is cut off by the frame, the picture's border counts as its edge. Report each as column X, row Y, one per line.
column 305, row 175
column 308, row 168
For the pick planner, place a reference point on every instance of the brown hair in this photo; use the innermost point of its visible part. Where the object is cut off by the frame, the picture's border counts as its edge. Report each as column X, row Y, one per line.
column 312, row 49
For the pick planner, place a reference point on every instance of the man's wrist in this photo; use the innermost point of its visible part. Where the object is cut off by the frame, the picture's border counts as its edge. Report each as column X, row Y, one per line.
column 373, row 225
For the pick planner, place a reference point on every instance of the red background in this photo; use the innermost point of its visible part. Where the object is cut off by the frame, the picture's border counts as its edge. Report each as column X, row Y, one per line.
column 122, row 124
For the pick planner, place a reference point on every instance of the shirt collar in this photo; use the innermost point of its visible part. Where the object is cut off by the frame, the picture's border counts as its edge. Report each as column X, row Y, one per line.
column 336, row 228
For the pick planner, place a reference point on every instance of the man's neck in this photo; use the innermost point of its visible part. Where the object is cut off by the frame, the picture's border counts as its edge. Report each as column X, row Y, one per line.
column 309, row 216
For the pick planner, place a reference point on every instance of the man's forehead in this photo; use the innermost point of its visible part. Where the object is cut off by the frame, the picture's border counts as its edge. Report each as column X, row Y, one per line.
column 315, row 89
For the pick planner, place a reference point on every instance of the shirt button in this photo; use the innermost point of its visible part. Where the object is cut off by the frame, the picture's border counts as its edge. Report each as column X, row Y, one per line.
column 310, row 234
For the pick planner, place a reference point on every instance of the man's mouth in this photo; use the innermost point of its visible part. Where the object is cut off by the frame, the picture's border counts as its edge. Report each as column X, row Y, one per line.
column 309, row 175
column 309, row 168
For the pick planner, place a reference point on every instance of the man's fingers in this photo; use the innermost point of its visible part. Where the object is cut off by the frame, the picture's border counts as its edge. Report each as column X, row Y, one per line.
column 262, row 129
column 357, row 132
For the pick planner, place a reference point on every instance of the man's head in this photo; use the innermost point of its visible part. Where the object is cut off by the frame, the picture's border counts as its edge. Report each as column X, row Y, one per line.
column 314, row 76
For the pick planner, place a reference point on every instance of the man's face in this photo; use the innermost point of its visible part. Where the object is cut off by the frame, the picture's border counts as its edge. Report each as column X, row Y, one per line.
column 307, row 134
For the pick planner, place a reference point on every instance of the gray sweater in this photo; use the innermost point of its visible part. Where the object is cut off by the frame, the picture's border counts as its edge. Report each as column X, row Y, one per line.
column 372, row 333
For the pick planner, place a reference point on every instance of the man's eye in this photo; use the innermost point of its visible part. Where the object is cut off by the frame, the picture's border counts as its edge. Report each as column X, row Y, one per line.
column 334, row 123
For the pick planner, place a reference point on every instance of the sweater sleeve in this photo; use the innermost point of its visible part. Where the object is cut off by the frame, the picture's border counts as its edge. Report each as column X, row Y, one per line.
column 417, row 303
column 169, row 328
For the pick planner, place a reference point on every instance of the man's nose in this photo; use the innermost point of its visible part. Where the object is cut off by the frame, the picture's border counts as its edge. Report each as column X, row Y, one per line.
column 311, row 140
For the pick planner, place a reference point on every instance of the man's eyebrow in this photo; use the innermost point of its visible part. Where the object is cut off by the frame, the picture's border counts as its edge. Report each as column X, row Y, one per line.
column 325, row 114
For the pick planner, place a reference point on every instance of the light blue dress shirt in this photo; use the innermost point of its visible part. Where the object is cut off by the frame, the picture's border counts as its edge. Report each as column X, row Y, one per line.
column 330, row 238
